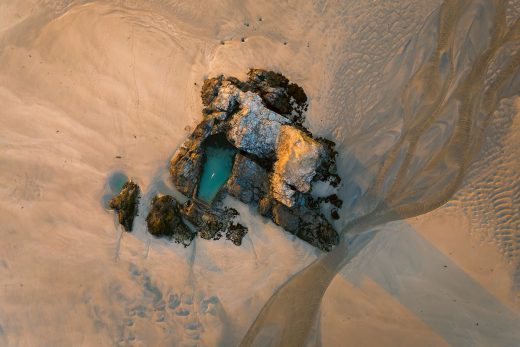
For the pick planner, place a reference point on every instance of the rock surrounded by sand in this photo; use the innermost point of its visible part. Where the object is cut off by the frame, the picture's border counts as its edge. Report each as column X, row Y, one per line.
column 126, row 204
column 278, row 159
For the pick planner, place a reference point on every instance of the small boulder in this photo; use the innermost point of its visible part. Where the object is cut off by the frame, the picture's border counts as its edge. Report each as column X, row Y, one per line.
column 126, row 204
column 213, row 222
column 235, row 233
column 165, row 219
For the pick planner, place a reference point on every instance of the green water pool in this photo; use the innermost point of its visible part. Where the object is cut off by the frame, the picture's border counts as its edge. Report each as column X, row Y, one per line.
column 217, row 166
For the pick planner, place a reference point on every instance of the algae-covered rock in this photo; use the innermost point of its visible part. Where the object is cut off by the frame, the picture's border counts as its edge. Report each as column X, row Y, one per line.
column 165, row 220
column 208, row 223
column 126, row 204
column 287, row 99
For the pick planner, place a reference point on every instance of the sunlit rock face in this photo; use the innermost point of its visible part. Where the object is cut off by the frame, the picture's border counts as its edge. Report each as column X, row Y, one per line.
column 298, row 156
column 249, row 181
column 277, row 161
column 255, row 128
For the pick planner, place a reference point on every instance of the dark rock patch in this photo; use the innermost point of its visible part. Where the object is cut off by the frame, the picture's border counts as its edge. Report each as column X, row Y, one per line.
column 164, row 220
column 236, row 233
column 126, row 204
column 212, row 223
column 210, row 89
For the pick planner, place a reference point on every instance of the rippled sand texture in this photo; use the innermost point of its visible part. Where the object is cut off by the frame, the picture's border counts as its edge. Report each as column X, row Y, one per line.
column 448, row 96
column 421, row 96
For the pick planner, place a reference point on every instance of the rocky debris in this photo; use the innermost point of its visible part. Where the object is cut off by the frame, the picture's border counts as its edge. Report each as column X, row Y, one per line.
column 327, row 171
column 235, row 233
column 334, row 200
column 213, row 222
column 297, row 157
column 248, row 182
column 308, row 225
column 277, row 162
column 165, row 220
column 126, row 204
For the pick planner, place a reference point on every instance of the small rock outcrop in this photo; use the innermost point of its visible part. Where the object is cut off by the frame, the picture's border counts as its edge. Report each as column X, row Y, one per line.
column 126, row 204
column 164, row 220
column 276, row 162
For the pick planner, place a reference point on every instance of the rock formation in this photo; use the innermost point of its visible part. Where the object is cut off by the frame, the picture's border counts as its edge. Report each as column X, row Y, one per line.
column 276, row 163
column 164, row 219
column 126, row 204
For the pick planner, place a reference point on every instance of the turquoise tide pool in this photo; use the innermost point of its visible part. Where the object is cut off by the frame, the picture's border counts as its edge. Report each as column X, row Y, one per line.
column 218, row 163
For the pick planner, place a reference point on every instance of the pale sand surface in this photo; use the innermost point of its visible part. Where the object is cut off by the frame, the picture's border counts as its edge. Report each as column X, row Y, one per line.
column 424, row 281
column 80, row 85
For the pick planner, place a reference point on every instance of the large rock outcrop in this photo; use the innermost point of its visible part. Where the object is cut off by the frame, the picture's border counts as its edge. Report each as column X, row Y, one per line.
column 277, row 161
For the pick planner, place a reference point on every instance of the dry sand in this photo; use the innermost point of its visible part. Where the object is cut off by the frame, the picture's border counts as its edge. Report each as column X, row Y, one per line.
column 82, row 83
